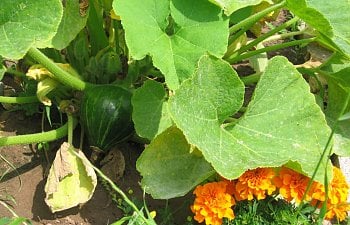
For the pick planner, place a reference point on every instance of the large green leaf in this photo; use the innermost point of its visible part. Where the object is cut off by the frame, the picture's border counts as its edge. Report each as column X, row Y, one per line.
column 331, row 18
column 170, row 168
column 338, row 91
column 335, row 63
column 282, row 123
column 177, row 42
column 150, row 110
column 71, row 24
column 27, row 23
column 230, row 6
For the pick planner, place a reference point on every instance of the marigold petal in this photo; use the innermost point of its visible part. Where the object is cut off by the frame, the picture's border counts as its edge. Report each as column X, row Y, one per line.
column 213, row 202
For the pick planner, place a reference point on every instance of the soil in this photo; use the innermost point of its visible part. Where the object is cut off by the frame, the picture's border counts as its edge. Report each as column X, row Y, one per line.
column 26, row 184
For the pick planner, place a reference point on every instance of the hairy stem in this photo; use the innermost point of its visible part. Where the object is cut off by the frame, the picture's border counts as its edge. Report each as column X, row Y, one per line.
column 19, row 100
column 283, row 36
column 60, row 74
column 15, row 72
column 70, row 128
column 256, row 17
column 269, row 48
column 37, row 137
column 251, row 79
column 267, row 35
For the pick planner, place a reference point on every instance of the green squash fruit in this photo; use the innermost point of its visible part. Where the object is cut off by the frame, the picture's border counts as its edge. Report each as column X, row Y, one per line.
column 105, row 114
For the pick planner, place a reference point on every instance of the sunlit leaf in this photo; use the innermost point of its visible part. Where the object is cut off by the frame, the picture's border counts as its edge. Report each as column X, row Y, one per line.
column 150, row 110
column 230, row 6
column 338, row 101
column 71, row 24
column 25, row 24
column 282, row 123
column 177, row 42
column 169, row 168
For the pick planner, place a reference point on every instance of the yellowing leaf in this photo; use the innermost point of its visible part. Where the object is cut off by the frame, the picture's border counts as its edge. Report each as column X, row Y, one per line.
column 71, row 180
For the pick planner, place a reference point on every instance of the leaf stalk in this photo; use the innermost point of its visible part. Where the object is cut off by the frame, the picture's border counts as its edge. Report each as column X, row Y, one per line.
column 37, row 137
column 269, row 48
column 256, row 17
column 19, row 100
column 60, row 74
column 267, row 35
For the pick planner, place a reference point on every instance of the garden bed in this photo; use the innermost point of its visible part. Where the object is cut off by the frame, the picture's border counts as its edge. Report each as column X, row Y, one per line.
column 235, row 112
column 26, row 183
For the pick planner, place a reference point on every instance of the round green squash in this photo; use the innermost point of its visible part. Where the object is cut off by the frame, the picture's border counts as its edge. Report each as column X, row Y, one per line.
column 105, row 115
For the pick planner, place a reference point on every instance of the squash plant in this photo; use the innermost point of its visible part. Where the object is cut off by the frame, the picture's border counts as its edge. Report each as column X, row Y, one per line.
column 164, row 68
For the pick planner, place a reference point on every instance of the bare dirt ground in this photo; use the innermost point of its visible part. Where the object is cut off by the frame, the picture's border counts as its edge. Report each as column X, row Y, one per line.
column 26, row 183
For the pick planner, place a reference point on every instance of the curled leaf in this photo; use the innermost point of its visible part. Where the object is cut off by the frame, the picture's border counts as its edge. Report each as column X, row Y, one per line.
column 71, row 179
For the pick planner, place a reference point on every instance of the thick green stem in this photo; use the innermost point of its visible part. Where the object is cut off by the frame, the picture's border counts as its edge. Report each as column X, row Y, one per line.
column 232, row 45
column 266, row 35
column 70, row 129
column 269, row 48
column 15, row 72
column 251, row 79
column 34, row 138
column 256, row 17
column 60, row 74
column 19, row 100
column 284, row 36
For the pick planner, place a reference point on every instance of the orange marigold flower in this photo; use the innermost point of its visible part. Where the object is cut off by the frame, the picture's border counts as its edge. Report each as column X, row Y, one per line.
column 340, row 211
column 337, row 196
column 318, row 191
column 212, row 203
column 292, row 185
column 230, row 187
column 339, row 189
column 256, row 183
